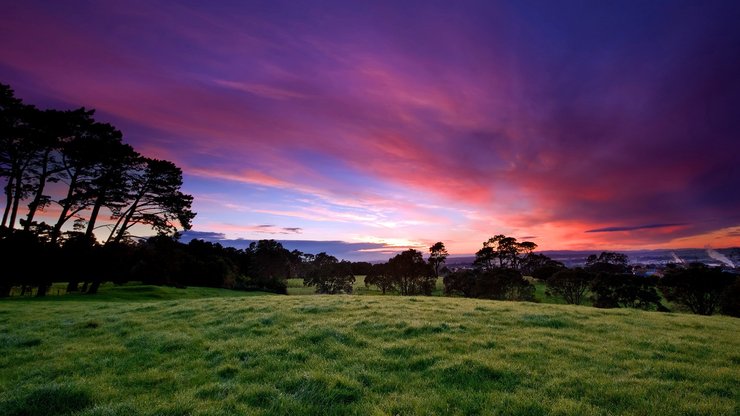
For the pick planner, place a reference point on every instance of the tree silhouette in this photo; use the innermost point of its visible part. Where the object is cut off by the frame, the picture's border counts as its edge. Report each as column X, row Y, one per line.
column 502, row 252
column 379, row 276
column 154, row 199
column 115, row 162
column 17, row 150
column 437, row 256
column 329, row 275
column 412, row 275
column 571, row 284
column 51, row 129
column 698, row 287
column 608, row 262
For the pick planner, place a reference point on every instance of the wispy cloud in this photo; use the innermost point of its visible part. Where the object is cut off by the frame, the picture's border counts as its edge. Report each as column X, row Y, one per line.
column 634, row 228
column 413, row 125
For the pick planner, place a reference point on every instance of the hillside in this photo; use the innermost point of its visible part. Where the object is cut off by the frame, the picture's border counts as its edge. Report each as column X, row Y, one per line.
column 205, row 354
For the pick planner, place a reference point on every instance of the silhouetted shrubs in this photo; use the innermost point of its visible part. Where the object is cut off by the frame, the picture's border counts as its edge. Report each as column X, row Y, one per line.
column 699, row 287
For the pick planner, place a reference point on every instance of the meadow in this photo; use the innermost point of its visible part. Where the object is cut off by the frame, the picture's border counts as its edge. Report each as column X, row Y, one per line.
column 144, row 350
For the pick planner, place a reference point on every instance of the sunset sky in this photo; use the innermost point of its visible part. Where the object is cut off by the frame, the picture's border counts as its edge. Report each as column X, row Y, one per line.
column 381, row 125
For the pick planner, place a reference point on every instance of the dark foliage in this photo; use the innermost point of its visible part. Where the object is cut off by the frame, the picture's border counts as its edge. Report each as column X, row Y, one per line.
column 411, row 274
column 329, row 275
column 461, row 283
column 621, row 290
column 607, row 262
column 698, row 287
column 539, row 266
column 571, row 284
column 380, row 277
column 407, row 272
column 501, row 251
column 497, row 283
column 361, row 268
column 437, row 257
column 730, row 304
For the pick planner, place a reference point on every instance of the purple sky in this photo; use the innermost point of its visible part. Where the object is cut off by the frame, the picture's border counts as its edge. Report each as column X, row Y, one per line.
column 385, row 125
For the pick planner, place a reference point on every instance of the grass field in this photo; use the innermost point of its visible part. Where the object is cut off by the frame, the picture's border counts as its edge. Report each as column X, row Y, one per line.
column 140, row 350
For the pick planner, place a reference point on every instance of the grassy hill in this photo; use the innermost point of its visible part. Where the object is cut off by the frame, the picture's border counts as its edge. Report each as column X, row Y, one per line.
column 162, row 351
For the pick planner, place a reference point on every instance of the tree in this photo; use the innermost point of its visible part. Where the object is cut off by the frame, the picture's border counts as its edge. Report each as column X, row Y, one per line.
column 437, row 256
column 698, row 287
column 503, row 284
column 380, row 277
column 502, row 252
column 109, row 185
column 17, row 150
column 461, row 282
column 497, row 283
column 92, row 167
column 539, row 266
column 571, row 284
column 52, row 128
column 412, row 275
column 361, row 268
column 608, row 262
column 623, row 290
column 155, row 200
column 330, row 276
column 269, row 265
column 730, row 304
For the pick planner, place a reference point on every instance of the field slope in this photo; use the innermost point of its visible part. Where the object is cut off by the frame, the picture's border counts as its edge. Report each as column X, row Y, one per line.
column 207, row 354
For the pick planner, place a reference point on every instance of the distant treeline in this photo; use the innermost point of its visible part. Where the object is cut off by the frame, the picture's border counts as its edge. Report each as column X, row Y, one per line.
column 505, row 269
column 160, row 260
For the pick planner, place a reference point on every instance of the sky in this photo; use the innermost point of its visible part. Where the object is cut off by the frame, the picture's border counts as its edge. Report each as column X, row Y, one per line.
column 365, row 128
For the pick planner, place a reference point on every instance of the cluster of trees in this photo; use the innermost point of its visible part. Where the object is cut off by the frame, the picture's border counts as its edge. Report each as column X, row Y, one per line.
column 84, row 170
column 408, row 272
column 91, row 189
column 162, row 260
column 499, row 269
column 608, row 280
column 505, row 269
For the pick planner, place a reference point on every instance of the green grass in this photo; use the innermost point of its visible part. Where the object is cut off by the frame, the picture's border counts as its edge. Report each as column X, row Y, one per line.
column 132, row 292
column 197, row 352
column 295, row 287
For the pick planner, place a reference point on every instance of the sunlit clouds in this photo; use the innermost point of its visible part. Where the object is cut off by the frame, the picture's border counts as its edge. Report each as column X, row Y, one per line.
column 587, row 126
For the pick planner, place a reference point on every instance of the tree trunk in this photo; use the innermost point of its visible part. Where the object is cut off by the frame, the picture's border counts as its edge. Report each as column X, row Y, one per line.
column 5, row 291
column 8, row 200
column 84, row 287
column 16, row 199
column 94, row 216
column 65, row 210
column 34, row 205
column 72, row 286
column 126, row 219
column 42, row 290
column 94, row 287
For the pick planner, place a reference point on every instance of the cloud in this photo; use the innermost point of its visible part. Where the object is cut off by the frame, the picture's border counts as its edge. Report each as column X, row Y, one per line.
column 633, row 228
column 201, row 235
column 523, row 115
